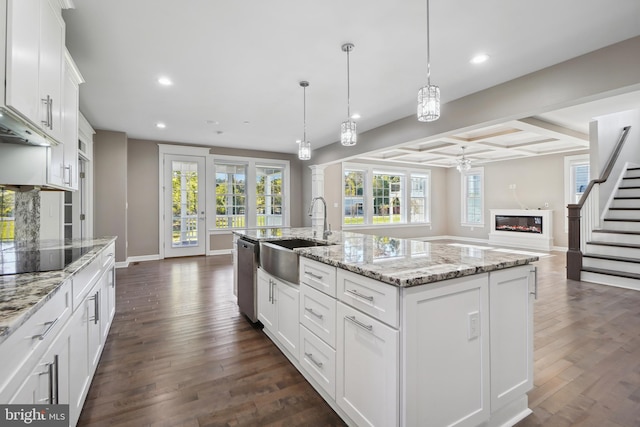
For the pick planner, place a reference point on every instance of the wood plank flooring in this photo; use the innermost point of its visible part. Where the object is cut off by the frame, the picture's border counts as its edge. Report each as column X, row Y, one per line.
column 180, row 354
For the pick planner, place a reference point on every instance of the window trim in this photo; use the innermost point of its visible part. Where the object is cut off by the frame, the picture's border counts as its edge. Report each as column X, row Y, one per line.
column 569, row 162
column 250, row 190
column 369, row 171
column 463, row 197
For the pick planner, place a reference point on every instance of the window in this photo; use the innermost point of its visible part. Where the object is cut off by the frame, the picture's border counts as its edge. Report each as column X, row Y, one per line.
column 250, row 193
column 354, row 197
column 7, row 215
column 387, row 192
column 395, row 197
column 418, row 203
column 269, row 206
column 576, row 178
column 473, row 197
column 231, row 205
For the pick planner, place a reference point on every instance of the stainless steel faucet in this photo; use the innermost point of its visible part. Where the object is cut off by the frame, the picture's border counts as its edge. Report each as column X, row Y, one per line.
column 326, row 230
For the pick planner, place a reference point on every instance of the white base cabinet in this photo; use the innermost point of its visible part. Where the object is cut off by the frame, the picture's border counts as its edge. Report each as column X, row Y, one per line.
column 367, row 368
column 453, row 353
column 52, row 358
column 278, row 304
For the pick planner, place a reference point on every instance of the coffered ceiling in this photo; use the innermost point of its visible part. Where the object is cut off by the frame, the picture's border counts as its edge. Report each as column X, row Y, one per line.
column 235, row 68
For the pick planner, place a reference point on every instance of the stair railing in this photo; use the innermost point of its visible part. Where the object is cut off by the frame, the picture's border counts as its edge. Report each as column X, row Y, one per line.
column 587, row 209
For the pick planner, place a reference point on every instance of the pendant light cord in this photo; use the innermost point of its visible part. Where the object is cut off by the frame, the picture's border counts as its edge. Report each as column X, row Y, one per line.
column 304, row 113
column 428, row 50
column 348, row 86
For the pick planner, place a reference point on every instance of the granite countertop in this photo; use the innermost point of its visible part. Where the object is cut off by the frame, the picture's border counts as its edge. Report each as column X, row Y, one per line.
column 398, row 262
column 21, row 295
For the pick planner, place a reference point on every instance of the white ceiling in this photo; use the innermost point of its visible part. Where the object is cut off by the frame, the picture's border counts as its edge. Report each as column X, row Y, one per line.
column 236, row 67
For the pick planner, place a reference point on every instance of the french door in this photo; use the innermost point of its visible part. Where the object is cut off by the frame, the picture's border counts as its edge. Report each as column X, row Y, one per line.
column 184, row 224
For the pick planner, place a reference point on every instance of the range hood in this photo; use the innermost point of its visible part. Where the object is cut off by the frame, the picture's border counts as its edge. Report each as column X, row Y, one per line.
column 14, row 130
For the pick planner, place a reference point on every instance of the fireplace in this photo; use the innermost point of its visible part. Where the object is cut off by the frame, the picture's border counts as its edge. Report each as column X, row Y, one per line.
column 532, row 229
column 519, row 223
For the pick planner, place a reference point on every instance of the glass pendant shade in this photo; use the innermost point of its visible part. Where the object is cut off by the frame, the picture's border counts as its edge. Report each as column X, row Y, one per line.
column 304, row 150
column 348, row 134
column 463, row 165
column 429, row 103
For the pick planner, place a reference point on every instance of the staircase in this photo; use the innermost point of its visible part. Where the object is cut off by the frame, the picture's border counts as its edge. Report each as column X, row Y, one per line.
column 612, row 256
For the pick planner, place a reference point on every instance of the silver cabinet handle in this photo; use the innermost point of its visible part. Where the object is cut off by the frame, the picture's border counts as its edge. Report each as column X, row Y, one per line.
column 535, row 283
column 270, row 296
column 359, row 323
column 96, row 307
column 359, row 295
column 310, row 310
column 315, row 276
column 46, row 331
column 54, row 388
column 315, row 362
column 68, row 167
column 113, row 275
column 50, row 112
column 47, row 101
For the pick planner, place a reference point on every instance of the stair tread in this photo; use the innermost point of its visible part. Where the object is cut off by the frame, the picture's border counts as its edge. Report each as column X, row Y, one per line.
column 605, row 230
column 625, row 209
column 626, row 198
column 623, row 219
column 616, row 244
column 611, row 257
column 612, row 272
column 631, row 187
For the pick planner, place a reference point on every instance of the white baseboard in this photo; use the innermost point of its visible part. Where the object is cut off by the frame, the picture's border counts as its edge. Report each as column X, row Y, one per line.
column 220, row 252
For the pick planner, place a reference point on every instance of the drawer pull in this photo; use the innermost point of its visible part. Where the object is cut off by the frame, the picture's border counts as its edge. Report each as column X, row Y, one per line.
column 359, row 323
column 315, row 276
column 359, row 295
column 96, row 308
column 310, row 310
column 46, row 331
column 315, row 362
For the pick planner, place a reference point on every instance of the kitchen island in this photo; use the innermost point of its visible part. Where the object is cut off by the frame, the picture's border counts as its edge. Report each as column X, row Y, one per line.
column 403, row 332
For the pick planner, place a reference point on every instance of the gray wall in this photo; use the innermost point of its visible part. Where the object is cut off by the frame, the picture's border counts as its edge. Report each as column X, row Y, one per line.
column 141, row 162
column 110, row 188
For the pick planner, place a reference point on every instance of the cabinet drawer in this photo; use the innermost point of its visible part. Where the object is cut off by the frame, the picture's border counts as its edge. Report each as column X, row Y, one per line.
column 318, row 275
column 380, row 300
column 318, row 314
column 24, row 347
column 108, row 255
column 84, row 280
column 318, row 360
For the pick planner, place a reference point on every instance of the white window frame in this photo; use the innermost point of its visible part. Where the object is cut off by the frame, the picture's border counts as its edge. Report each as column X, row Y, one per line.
column 219, row 162
column 569, row 163
column 373, row 169
column 250, row 190
column 463, row 199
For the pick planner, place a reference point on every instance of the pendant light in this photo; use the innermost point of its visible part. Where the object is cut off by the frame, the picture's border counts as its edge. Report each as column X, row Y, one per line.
column 464, row 164
column 348, row 134
column 304, row 148
column 429, row 95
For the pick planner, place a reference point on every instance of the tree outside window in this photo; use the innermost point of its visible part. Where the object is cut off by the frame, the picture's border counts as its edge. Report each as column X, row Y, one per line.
column 354, row 208
column 7, row 215
column 387, row 192
column 269, row 198
column 230, row 196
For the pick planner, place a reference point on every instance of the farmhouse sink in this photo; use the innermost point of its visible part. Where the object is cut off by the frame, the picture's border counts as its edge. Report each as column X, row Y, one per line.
column 279, row 259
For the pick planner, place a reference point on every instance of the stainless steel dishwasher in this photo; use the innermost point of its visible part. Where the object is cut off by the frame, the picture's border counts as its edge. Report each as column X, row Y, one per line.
column 246, row 271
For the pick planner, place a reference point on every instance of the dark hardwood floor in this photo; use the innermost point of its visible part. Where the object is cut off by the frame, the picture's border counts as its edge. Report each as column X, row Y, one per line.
column 180, row 354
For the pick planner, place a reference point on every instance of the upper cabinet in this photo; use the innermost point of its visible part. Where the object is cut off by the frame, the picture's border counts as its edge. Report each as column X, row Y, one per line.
column 35, row 63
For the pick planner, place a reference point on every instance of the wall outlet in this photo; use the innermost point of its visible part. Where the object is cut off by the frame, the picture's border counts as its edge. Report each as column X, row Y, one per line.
column 473, row 330
column 546, row 204
column 512, row 186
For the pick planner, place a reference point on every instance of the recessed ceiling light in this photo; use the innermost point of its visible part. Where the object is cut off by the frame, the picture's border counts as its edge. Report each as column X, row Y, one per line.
column 213, row 122
column 161, row 125
column 165, row 81
column 479, row 58
column 355, row 116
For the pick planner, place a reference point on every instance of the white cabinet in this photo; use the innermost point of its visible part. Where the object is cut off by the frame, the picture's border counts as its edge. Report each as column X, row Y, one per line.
column 34, row 63
column 511, row 294
column 367, row 353
column 278, row 305
column 445, row 353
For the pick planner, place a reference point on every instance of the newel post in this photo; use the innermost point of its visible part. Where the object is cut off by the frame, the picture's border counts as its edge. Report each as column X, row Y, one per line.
column 574, row 255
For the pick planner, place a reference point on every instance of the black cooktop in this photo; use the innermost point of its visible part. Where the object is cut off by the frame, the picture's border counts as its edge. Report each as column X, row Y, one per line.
column 16, row 261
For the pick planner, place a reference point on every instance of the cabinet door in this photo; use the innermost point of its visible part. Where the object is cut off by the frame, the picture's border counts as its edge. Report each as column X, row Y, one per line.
column 79, row 376
column 95, row 340
column 287, row 306
column 367, row 369
column 446, row 353
column 511, row 300
column 70, row 128
column 266, row 301
column 23, row 50
column 51, row 67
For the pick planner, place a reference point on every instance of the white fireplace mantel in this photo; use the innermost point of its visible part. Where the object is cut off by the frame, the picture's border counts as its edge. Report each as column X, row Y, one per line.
column 541, row 241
